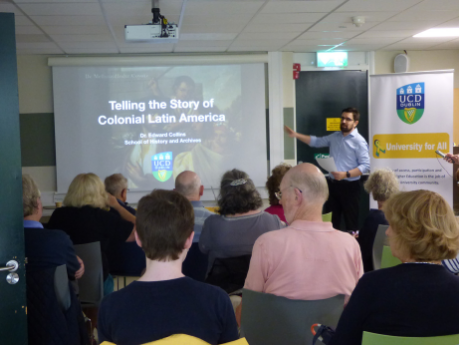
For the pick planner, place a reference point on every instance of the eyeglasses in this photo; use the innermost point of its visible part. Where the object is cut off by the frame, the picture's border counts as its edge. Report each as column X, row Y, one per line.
column 279, row 193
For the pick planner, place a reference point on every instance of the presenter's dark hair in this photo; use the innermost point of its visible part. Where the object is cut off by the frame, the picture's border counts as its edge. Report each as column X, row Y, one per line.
column 274, row 181
column 237, row 194
column 354, row 112
column 165, row 219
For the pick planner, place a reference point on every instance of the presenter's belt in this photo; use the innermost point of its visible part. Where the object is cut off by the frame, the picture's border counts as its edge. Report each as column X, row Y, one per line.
column 332, row 180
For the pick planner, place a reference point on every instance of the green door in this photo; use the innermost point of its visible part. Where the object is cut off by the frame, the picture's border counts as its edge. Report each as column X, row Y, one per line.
column 13, row 318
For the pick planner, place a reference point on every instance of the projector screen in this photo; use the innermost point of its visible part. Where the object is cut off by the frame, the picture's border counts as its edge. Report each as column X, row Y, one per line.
column 151, row 123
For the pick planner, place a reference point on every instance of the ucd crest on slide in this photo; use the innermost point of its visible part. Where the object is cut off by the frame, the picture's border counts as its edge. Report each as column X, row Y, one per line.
column 410, row 102
column 161, row 166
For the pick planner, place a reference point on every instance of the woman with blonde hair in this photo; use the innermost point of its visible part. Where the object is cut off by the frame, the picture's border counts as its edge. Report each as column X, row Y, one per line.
column 85, row 217
column 417, row 298
column 381, row 184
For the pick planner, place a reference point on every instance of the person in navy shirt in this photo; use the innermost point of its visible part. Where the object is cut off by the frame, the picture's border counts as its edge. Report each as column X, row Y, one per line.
column 163, row 301
column 350, row 152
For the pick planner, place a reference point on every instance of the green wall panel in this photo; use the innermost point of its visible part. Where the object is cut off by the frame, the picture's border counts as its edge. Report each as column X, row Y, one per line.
column 37, row 140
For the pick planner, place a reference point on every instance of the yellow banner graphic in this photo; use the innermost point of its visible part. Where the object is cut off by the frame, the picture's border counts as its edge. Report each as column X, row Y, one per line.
column 416, row 145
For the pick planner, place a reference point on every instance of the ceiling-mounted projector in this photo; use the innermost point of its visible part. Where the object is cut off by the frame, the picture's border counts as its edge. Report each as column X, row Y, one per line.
column 159, row 30
column 156, row 33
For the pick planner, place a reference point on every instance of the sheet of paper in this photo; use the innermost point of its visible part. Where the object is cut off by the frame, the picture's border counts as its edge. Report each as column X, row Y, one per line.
column 327, row 163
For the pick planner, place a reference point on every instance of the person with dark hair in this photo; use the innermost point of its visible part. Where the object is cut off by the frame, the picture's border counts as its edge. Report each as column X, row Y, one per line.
column 272, row 185
column 350, row 152
column 164, row 302
column 240, row 223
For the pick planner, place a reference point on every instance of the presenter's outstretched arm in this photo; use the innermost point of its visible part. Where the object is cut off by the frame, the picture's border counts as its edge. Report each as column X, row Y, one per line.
column 302, row 137
column 450, row 158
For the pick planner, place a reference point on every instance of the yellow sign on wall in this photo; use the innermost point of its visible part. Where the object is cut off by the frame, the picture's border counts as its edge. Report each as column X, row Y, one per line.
column 333, row 124
column 416, row 145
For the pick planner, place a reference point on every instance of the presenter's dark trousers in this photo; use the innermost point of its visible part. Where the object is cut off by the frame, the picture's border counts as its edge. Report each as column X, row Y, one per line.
column 344, row 200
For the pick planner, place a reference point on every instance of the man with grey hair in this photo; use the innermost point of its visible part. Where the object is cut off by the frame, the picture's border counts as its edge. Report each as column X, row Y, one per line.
column 309, row 259
column 45, row 248
column 117, row 185
column 189, row 185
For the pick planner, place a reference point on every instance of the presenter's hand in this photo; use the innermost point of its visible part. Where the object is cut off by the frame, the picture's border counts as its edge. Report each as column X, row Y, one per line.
column 450, row 158
column 291, row 133
column 338, row 175
column 80, row 272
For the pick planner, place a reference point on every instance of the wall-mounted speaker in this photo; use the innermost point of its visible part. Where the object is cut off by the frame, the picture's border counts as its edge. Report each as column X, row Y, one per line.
column 401, row 63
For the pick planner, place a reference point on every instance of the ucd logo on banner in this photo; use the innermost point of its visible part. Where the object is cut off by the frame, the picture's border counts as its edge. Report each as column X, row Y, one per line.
column 161, row 166
column 410, row 102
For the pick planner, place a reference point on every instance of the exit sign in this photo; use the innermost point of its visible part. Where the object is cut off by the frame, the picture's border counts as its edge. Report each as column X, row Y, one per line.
column 334, row 59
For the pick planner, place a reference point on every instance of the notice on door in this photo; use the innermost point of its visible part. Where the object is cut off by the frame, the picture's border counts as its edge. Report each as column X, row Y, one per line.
column 333, row 124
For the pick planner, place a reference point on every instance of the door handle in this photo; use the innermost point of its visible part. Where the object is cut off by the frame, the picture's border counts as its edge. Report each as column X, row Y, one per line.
column 11, row 266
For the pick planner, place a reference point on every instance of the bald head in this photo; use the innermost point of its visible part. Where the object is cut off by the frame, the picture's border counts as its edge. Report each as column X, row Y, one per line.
column 310, row 180
column 189, row 185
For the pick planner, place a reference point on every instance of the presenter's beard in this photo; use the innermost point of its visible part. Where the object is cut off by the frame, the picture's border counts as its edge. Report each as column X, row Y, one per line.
column 346, row 130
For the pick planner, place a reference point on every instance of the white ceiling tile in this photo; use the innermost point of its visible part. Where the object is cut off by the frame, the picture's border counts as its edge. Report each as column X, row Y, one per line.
column 234, row 19
column 287, row 18
column 22, row 20
column 62, row 9
column 437, row 5
column 268, row 35
column 28, row 30
column 425, row 16
column 454, row 23
column 10, row 8
column 202, row 28
column 151, row 50
column 332, row 42
column 300, row 6
column 31, row 38
column 36, row 45
column 94, row 50
column 328, row 34
column 377, row 5
column 253, row 49
column 134, row 20
column 198, row 37
column 84, row 45
column 448, row 45
column 346, row 17
column 38, row 51
column 428, row 40
column 331, row 26
column 373, row 41
column 218, row 7
column 407, row 46
column 276, row 27
column 75, row 30
column 183, row 44
column 199, row 49
column 406, row 25
column 82, row 38
column 69, row 20
column 389, row 33
column 259, row 43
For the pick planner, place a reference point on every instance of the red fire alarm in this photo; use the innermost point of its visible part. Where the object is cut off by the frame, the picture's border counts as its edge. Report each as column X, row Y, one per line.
column 297, row 67
column 296, row 75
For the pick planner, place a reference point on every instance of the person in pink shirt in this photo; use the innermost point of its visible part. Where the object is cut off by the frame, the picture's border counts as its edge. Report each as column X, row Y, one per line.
column 272, row 185
column 308, row 260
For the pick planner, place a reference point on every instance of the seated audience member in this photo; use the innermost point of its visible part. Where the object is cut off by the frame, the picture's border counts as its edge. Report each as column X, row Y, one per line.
column 381, row 184
column 117, row 185
column 309, row 259
column 419, row 297
column 189, row 185
column 45, row 248
column 85, row 218
column 234, row 232
column 163, row 301
column 272, row 185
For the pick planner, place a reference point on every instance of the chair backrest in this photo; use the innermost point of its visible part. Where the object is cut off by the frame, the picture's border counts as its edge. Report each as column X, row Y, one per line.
column 388, row 260
column 126, row 259
column 62, row 288
column 229, row 273
column 327, row 217
column 195, row 264
column 378, row 245
column 272, row 320
column 379, row 339
column 91, row 284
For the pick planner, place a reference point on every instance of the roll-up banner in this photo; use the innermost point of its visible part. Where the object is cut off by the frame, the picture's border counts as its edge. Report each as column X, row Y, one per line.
column 411, row 116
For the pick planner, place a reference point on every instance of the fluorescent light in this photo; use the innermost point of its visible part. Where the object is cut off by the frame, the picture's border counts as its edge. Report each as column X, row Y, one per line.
column 441, row 32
